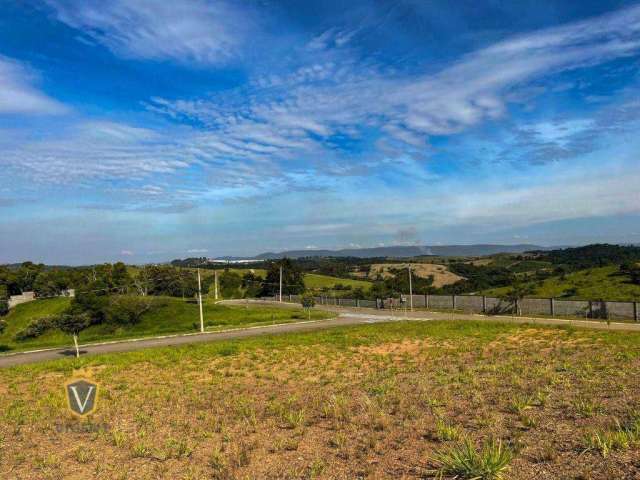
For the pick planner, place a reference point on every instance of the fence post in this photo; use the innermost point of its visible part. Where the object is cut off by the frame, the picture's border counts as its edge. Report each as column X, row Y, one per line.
column 635, row 312
column 484, row 304
column 426, row 302
column 453, row 297
column 590, row 309
column 357, row 302
column 553, row 306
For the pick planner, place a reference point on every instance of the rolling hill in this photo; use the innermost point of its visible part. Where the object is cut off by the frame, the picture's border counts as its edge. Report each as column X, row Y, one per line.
column 399, row 251
column 604, row 283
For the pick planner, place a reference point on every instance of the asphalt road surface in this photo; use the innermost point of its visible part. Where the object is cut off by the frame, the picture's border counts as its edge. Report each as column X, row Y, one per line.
column 346, row 316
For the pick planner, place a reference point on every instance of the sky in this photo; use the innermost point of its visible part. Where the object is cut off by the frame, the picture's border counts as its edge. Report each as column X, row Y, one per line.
column 146, row 130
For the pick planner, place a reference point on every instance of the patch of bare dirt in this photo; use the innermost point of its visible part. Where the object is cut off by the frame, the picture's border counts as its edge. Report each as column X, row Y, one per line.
column 441, row 274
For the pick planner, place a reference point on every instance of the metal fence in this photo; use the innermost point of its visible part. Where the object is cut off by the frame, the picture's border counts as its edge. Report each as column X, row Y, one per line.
column 550, row 307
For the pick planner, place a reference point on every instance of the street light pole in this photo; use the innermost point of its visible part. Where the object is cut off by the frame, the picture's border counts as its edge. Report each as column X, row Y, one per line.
column 280, row 283
column 200, row 302
column 410, row 290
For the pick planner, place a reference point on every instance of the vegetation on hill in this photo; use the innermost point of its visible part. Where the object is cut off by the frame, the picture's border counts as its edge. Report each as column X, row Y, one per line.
column 315, row 281
column 589, row 256
column 545, row 273
column 165, row 315
column 606, row 283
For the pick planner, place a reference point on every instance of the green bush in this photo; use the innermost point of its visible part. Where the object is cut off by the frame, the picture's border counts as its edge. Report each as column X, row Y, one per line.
column 126, row 309
column 36, row 328
column 4, row 300
column 464, row 461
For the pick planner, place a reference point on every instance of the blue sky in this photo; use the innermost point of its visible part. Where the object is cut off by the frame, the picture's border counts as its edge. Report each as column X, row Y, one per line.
column 146, row 130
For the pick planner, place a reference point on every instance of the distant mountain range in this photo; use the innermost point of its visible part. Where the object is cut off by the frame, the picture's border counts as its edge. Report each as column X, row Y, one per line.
column 399, row 251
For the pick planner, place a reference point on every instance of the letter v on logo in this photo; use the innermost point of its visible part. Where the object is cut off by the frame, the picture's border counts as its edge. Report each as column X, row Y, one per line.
column 81, row 396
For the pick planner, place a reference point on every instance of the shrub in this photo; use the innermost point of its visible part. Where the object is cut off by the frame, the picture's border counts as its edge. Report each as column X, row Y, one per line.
column 36, row 328
column 446, row 431
column 4, row 300
column 126, row 310
column 3, row 326
column 465, row 461
column 621, row 437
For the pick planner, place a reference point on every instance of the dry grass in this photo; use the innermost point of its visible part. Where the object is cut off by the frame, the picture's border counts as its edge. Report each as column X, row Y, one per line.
column 441, row 274
column 398, row 401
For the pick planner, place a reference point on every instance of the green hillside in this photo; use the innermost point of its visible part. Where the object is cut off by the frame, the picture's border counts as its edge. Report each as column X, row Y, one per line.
column 591, row 284
column 316, row 281
column 168, row 315
column 20, row 316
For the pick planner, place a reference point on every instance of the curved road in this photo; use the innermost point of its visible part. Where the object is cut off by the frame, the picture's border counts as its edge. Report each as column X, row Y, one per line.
column 346, row 316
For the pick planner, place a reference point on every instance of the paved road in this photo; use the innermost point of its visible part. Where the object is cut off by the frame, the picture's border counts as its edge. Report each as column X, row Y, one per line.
column 346, row 316
column 20, row 358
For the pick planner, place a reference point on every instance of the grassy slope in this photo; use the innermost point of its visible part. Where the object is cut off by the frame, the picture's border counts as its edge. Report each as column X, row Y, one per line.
column 20, row 316
column 330, row 402
column 313, row 280
column 172, row 316
column 591, row 284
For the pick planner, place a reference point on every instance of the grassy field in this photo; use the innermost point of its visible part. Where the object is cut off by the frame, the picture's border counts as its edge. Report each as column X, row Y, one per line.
column 399, row 400
column 592, row 284
column 168, row 315
column 316, row 281
column 440, row 273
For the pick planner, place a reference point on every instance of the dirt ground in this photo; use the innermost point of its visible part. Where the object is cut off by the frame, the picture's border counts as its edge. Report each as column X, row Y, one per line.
column 441, row 275
column 377, row 402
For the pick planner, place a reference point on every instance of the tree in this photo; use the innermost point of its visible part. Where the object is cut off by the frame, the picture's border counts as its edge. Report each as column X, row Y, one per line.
column 73, row 324
column 516, row 293
column 251, row 284
column 358, row 293
column 308, row 302
column 49, row 284
column 4, row 300
column 632, row 270
column 120, row 276
column 292, row 279
column 27, row 274
column 230, row 283
column 9, row 278
column 91, row 299
column 126, row 309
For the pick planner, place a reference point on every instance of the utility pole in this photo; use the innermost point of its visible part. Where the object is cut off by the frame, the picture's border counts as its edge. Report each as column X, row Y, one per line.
column 410, row 290
column 200, row 302
column 280, row 283
column 215, row 283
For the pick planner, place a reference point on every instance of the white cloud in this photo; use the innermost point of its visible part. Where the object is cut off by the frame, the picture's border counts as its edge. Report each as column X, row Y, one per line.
column 198, row 250
column 288, row 116
column 18, row 94
column 126, row 253
column 576, row 195
column 292, row 130
column 184, row 31
column 95, row 150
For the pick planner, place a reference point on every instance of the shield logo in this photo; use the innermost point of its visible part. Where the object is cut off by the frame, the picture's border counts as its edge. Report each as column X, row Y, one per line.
column 82, row 396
